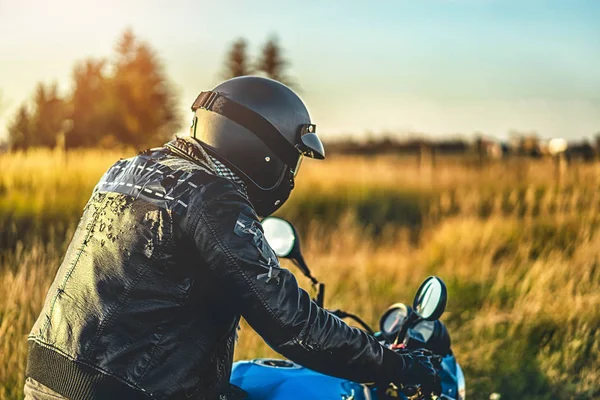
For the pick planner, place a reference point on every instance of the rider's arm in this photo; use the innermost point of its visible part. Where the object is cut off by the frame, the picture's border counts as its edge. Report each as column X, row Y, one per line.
column 229, row 237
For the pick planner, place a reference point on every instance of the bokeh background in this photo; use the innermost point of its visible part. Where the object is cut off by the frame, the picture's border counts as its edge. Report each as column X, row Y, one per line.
column 462, row 140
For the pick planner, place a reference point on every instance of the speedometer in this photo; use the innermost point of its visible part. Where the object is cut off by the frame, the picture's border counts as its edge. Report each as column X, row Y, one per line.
column 392, row 320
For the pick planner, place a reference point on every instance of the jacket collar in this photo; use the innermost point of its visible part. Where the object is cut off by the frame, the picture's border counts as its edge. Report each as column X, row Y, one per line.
column 191, row 150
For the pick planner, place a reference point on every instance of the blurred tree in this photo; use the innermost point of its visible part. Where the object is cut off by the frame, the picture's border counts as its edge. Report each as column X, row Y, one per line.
column 237, row 62
column 128, row 101
column 19, row 130
column 144, row 105
column 92, row 108
column 272, row 62
column 49, row 114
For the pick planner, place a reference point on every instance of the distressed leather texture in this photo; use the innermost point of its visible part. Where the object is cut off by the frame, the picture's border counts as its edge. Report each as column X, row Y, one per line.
column 165, row 260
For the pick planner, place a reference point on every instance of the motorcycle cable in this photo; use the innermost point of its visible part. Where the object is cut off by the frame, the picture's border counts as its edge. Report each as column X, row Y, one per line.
column 343, row 314
column 317, row 286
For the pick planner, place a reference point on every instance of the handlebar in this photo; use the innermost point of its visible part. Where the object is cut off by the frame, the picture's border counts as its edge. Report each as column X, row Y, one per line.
column 415, row 392
column 411, row 392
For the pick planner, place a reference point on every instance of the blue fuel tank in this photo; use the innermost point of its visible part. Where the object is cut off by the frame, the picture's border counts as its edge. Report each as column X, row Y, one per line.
column 271, row 379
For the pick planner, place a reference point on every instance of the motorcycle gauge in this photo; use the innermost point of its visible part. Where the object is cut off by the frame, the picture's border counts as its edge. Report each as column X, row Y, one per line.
column 392, row 320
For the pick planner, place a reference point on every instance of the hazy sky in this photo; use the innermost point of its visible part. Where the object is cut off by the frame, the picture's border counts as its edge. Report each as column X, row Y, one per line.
column 435, row 66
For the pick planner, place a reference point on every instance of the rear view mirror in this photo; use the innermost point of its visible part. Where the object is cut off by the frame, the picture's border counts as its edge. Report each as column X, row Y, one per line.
column 283, row 239
column 280, row 235
column 430, row 300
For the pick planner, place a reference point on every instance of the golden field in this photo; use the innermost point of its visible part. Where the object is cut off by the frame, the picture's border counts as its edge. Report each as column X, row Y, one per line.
column 515, row 241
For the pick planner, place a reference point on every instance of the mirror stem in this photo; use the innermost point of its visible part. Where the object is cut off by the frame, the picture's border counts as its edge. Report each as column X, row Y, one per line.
column 411, row 321
column 301, row 264
column 321, row 295
column 320, row 287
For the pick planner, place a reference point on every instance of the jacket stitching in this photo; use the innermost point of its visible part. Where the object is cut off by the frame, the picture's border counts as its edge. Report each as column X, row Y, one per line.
column 301, row 336
column 112, row 310
column 151, row 358
column 161, row 249
column 202, row 208
column 63, row 284
column 119, row 303
column 237, row 266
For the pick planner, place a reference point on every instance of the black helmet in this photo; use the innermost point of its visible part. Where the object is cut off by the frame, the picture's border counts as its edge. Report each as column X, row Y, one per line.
column 261, row 129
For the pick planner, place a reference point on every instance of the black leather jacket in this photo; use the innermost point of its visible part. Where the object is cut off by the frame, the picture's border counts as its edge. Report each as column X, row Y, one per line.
column 166, row 258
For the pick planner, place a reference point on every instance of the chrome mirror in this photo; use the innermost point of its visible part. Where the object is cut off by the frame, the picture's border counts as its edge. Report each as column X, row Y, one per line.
column 280, row 236
column 430, row 300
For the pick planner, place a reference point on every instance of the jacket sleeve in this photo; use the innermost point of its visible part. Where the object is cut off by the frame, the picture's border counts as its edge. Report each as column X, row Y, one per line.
column 230, row 239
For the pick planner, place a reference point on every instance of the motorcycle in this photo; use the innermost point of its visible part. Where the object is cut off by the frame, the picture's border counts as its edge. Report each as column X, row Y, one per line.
column 401, row 327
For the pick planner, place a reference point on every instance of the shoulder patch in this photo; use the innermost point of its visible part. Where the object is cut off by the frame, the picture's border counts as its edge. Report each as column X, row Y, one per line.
column 246, row 226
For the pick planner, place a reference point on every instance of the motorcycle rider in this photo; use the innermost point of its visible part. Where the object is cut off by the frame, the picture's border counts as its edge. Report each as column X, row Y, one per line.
column 170, row 253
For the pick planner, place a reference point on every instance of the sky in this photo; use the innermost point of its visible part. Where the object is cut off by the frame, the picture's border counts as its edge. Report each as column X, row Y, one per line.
column 439, row 67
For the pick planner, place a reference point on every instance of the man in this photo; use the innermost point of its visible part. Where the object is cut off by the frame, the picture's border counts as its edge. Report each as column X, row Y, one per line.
column 169, row 254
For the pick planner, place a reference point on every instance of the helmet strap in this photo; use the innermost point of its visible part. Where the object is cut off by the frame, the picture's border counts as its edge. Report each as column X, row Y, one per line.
column 253, row 121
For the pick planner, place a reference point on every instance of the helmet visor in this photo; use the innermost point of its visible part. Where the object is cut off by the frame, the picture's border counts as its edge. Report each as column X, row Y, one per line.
column 310, row 145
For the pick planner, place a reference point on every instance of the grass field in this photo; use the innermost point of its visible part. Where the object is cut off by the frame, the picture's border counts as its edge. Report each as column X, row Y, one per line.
column 516, row 244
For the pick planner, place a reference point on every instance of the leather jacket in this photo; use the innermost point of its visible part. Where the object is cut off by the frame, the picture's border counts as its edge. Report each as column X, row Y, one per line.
column 165, row 260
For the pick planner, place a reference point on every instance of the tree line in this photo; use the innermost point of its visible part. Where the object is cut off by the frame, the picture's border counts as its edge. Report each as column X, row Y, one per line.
column 125, row 99
column 270, row 62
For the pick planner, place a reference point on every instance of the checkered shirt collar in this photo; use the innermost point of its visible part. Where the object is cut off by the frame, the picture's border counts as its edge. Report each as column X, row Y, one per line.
column 223, row 171
column 192, row 149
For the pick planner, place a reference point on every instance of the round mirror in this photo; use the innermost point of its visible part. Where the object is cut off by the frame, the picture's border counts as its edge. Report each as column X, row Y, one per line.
column 280, row 235
column 430, row 300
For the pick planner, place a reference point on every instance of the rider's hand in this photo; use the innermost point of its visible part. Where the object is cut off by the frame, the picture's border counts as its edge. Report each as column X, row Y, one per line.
column 421, row 371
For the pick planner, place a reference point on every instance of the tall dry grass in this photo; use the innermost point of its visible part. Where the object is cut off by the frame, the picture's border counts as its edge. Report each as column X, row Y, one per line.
column 517, row 248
